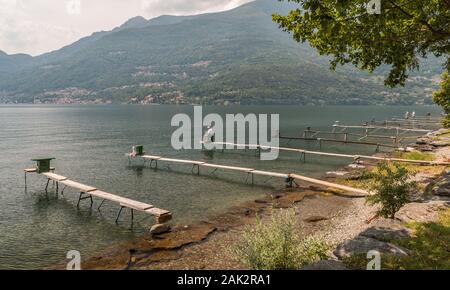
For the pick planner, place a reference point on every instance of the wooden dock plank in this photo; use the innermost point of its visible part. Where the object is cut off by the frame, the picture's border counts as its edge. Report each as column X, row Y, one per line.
column 243, row 169
column 268, row 173
column 354, row 157
column 182, row 161
column 157, row 211
column 54, row 176
column 152, row 157
column 329, row 184
column 77, row 185
column 360, row 192
column 161, row 215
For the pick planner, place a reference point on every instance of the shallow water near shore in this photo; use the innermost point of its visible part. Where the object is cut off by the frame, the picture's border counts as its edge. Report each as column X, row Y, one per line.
column 89, row 143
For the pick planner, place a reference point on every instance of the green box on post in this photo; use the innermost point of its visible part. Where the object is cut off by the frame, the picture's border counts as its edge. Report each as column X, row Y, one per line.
column 139, row 150
column 43, row 164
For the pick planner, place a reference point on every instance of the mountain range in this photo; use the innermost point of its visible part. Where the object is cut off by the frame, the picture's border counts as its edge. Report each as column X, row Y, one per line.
column 238, row 56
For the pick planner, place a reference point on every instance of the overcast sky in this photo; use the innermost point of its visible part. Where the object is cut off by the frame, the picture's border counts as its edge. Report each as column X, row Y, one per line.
column 39, row 26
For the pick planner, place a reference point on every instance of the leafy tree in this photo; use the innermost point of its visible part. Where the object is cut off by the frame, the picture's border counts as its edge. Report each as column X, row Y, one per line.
column 404, row 31
column 442, row 97
column 391, row 186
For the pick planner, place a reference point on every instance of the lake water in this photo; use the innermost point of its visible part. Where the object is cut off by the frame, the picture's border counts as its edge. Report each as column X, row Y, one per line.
column 89, row 143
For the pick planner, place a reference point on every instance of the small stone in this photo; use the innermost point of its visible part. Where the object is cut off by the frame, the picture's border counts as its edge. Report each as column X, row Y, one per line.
column 159, row 229
column 425, row 148
column 314, row 219
column 439, row 143
column 423, row 141
column 356, row 166
column 260, row 201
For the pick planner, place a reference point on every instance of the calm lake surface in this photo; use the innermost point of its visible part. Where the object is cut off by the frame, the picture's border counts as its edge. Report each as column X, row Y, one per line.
column 89, row 143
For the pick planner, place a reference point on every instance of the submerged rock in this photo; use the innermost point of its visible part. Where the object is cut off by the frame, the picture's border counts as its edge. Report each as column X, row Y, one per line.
column 362, row 245
column 314, row 219
column 159, row 229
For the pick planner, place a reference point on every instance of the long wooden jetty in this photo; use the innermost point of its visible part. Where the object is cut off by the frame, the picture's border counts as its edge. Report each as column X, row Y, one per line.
column 320, row 140
column 87, row 192
column 374, row 127
column 288, row 177
column 314, row 133
column 303, row 153
column 405, row 124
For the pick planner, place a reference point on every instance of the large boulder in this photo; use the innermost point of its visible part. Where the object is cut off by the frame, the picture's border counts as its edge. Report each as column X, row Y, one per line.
column 386, row 234
column 362, row 245
column 440, row 143
column 421, row 212
column 442, row 187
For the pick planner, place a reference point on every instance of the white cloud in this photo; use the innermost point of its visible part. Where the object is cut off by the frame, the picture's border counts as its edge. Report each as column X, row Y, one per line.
column 39, row 26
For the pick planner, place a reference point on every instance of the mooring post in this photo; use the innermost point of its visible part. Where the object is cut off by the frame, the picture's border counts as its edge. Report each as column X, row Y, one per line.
column 118, row 215
column 25, row 180
column 303, row 157
column 80, row 198
column 46, row 186
column 289, row 182
column 103, row 201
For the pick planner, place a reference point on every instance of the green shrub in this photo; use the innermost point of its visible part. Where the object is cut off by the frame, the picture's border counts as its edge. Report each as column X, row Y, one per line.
column 416, row 155
column 391, row 187
column 277, row 245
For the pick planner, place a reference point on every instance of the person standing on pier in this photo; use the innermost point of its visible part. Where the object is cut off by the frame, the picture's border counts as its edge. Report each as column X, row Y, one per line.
column 209, row 136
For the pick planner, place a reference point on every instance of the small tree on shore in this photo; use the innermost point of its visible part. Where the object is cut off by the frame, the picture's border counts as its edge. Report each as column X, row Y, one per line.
column 391, row 185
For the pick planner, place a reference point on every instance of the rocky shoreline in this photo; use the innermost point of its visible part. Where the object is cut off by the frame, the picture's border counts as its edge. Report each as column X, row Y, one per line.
column 340, row 219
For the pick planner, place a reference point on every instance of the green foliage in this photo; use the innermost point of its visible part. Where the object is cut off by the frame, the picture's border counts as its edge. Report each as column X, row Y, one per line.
column 417, row 155
column 404, row 30
column 391, row 187
column 277, row 245
column 442, row 97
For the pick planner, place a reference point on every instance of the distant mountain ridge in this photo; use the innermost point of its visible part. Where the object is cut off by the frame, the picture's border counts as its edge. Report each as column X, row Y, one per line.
column 233, row 57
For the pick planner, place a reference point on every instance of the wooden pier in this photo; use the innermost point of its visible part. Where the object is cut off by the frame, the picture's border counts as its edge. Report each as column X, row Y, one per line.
column 320, row 140
column 289, row 178
column 88, row 192
column 374, row 127
column 346, row 135
column 329, row 154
